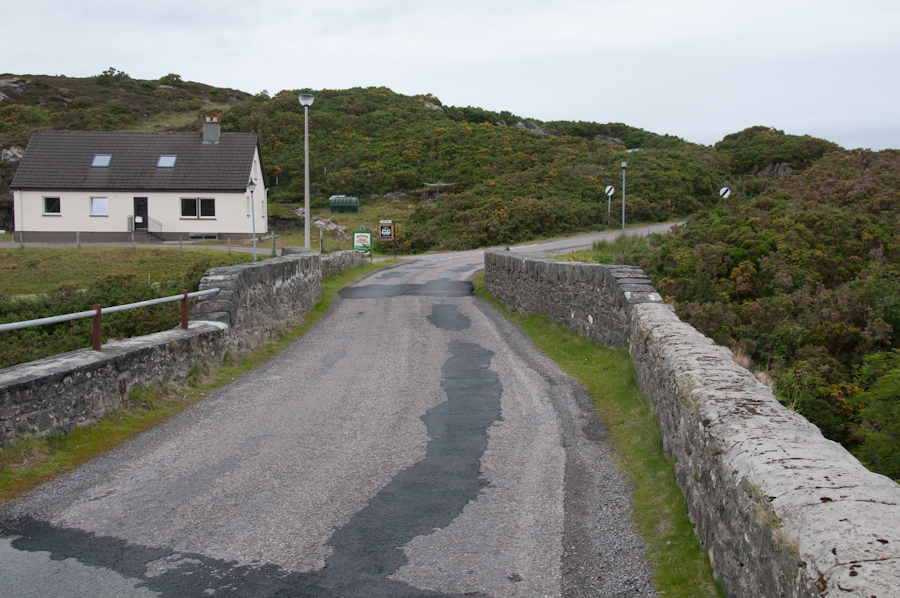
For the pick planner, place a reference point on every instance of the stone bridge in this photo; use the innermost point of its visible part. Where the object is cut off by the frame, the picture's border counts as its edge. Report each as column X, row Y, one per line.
column 782, row 510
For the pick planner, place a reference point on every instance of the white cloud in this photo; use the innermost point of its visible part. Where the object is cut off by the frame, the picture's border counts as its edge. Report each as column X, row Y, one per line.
column 699, row 69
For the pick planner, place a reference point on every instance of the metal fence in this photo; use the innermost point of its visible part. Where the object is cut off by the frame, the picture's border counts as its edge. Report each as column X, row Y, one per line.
column 96, row 312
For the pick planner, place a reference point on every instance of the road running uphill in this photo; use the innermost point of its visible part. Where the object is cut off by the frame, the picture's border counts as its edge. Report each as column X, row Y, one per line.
column 412, row 444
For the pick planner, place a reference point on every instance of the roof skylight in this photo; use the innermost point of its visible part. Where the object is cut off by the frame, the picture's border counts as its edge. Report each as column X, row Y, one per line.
column 166, row 161
column 101, row 161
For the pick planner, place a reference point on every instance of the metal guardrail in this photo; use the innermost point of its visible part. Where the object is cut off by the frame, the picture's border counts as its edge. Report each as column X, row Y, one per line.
column 96, row 312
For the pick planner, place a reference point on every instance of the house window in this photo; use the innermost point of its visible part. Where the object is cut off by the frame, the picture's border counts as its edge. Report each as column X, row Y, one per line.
column 99, row 206
column 198, row 207
column 52, row 206
column 101, row 160
column 166, row 161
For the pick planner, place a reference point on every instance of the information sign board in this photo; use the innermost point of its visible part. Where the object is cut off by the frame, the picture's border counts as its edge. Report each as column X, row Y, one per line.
column 362, row 241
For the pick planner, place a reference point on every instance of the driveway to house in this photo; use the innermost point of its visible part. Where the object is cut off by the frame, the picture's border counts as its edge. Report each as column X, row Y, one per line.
column 412, row 443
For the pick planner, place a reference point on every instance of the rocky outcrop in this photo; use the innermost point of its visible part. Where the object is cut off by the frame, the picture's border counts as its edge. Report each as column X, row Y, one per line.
column 13, row 154
column 528, row 126
column 773, row 171
column 532, row 127
column 607, row 139
column 12, row 87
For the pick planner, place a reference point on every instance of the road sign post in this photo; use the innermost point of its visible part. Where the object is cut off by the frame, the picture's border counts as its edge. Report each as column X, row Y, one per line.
column 609, row 193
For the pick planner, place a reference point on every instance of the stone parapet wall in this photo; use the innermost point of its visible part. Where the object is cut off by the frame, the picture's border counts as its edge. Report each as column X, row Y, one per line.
column 337, row 262
column 782, row 511
column 590, row 299
column 60, row 393
column 332, row 263
column 260, row 300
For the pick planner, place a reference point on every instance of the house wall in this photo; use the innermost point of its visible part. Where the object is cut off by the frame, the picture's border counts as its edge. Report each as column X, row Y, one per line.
column 232, row 212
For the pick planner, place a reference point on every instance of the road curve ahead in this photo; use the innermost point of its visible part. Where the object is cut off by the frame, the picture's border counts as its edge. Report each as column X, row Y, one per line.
column 412, row 444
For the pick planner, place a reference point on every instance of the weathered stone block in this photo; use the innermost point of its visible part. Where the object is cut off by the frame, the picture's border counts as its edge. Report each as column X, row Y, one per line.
column 62, row 392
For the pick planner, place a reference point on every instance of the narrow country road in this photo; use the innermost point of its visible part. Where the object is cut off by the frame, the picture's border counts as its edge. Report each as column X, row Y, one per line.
column 411, row 444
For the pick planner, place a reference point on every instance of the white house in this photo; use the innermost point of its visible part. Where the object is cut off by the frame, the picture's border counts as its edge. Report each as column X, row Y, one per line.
column 106, row 185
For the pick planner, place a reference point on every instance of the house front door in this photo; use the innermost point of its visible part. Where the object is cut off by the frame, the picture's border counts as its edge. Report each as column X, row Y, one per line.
column 140, row 213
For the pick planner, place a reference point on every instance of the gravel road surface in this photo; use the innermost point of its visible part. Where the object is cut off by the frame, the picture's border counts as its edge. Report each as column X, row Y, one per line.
column 412, row 443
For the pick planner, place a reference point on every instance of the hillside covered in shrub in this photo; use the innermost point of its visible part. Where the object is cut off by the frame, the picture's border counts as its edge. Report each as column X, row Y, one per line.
column 512, row 179
column 804, row 279
column 797, row 270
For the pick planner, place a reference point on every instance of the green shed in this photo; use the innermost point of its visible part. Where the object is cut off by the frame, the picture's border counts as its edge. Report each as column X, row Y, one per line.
column 343, row 203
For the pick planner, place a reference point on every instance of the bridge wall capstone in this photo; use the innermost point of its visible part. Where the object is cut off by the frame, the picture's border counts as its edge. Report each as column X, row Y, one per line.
column 258, row 301
column 781, row 510
column 60, row 393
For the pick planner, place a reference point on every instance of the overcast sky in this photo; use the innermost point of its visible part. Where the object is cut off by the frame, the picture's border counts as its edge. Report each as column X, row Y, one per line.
column 698, row 69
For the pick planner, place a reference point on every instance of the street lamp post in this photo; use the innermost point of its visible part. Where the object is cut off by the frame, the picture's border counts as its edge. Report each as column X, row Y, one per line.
column 306, row 100
column 251, row 186
column 624, row 164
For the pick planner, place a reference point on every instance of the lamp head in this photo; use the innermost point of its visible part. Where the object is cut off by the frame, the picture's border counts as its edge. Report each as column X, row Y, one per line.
column 251, row 185
column 306, row 99
column 624, row 163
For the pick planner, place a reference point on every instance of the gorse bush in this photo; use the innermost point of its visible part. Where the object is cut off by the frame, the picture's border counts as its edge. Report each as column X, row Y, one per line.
column 805, row 278
column 372, row 141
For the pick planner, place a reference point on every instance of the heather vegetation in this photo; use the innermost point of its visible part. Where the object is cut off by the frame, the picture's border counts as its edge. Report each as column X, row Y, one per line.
column 508, row 183
column 512, row 179
column 802, row 281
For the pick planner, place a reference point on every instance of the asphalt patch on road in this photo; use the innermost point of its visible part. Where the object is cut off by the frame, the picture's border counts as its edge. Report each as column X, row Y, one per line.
column 462, row 269
column 422, row 498
column 430, row 494
column 447, row 317
column 433, row 288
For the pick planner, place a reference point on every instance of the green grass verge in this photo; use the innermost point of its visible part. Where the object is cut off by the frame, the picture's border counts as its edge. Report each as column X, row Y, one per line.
column 32, row 270
column 680, row 564
column 26, row 464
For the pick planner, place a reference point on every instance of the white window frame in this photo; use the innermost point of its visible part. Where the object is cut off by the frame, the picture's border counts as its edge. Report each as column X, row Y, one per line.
column 198, row 207
column 58, row 212
column 99, row 206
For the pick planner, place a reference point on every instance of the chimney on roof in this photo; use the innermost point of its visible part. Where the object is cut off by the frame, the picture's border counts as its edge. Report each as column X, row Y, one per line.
column 212, row 131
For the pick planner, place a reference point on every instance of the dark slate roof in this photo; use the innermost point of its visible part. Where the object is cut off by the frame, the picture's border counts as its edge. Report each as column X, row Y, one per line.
column 61, row 160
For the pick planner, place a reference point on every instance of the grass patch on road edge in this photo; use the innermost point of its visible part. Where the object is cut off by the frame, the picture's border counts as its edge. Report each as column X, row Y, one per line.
column 680, row 564
column 28, row 463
